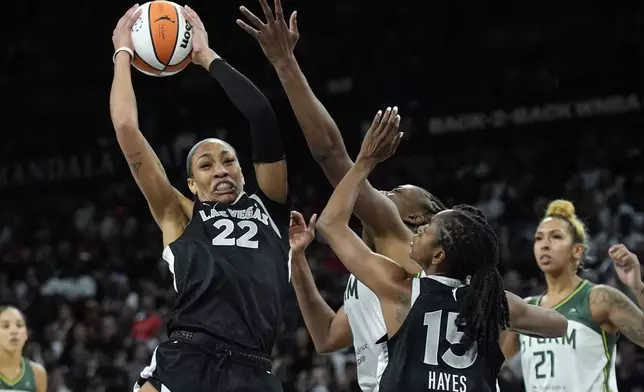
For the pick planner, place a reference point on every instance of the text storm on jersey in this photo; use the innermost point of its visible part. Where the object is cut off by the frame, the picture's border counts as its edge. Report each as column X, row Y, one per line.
column 441, row 381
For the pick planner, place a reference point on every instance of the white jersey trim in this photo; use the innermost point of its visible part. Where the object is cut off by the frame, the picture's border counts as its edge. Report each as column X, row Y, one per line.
column 168, row 256
column 270, row 219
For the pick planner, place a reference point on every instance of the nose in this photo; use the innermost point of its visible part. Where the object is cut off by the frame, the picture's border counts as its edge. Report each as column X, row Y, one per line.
column 220, row 171
column 545, row 244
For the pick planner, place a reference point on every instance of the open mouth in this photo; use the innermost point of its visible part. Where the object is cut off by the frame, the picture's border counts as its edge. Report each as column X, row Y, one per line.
column 224, row 187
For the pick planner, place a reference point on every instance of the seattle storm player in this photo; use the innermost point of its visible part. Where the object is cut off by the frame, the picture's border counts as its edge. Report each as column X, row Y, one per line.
column 459, row 310
column 227, row 250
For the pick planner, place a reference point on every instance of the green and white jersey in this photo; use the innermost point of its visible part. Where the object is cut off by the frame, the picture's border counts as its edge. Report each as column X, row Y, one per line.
column 25, row 382
column 581, row 361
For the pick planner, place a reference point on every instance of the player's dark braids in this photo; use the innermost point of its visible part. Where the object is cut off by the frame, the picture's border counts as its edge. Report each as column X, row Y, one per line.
column 431, row 206
column 471, row 249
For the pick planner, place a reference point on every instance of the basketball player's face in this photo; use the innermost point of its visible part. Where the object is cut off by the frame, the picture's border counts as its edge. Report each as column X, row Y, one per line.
column 424, row 247
column 554, row 248
column 13, row 330
column 216, row 174
column 407, row 199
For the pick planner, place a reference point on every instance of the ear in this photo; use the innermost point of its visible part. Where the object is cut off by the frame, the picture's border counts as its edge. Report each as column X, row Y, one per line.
column 438, row 256
column 192, row 185
column 577, row 253
column 415, row 219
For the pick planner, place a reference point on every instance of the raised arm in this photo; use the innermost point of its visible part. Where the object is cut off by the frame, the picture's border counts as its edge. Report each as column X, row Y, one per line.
column 322, row 134
column 268, row 153
column 614, row 306
column 163, row 200
column 330, row 331
column 374, row 270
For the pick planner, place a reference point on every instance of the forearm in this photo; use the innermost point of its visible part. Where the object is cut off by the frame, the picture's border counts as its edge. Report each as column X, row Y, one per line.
column 340, row 206
column 265, row 136
column 638, row 291
column 122, row 99
column 317, row 314
column 321, row 132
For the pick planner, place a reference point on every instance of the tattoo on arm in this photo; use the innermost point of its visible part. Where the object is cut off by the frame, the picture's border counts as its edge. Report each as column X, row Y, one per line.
column 403, row 304
column 135, row 163
column 623, row 313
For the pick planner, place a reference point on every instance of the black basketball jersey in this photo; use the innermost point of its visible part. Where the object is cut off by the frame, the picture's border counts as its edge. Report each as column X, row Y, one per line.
column 425, row 354
column 231, row 271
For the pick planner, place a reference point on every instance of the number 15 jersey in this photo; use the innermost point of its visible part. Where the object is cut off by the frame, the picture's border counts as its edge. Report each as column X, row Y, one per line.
column 426, row 355
column 231, row 271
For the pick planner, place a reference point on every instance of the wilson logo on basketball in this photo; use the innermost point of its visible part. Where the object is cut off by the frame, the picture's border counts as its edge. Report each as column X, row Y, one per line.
column 186, row 36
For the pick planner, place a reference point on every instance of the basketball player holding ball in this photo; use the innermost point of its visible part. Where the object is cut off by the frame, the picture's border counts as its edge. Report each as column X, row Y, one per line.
column 228, row 249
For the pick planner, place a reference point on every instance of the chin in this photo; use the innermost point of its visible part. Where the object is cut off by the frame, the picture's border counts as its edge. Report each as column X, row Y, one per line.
column 550, row 268
column 227, row 198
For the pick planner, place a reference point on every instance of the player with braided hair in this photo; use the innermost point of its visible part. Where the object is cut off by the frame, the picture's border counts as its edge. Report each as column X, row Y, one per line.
column 461, row 323
column 584, row 359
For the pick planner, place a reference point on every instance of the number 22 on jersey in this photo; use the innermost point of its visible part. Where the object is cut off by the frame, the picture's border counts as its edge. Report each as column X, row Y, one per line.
column 227, row 238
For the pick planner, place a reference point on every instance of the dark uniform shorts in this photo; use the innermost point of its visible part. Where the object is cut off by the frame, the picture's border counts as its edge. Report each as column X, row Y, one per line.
column 196, row 362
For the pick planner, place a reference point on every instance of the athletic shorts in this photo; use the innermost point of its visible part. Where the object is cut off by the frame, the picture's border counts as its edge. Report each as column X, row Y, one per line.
column 196, row 362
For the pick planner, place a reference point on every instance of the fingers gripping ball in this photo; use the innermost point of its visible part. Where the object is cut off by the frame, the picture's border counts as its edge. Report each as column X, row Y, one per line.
column 162, row 39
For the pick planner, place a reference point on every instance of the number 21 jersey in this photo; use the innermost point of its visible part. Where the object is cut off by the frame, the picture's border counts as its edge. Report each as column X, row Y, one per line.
column 581, row 361
column 231, row 271
column 426, row 355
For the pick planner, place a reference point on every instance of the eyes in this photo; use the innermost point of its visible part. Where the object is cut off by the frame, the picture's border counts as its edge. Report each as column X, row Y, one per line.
column 7, row 325
column 556, row 236
column 206, row 164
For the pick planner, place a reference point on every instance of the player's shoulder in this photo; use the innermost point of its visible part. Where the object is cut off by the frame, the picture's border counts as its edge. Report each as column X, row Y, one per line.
column 280, row 212
column 36, row 367
column 606, row 296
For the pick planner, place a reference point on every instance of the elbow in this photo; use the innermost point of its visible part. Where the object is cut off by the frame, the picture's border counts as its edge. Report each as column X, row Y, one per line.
column 324, row 224
column 323, row 349
column 125, row 126
column 328, row 152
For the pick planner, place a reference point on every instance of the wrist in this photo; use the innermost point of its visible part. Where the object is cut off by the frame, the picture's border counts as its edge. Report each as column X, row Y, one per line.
column 123, row 56
column 284, row 63
column 206, row 57
column 638, row 287
column 298, row 255
column 366, row 162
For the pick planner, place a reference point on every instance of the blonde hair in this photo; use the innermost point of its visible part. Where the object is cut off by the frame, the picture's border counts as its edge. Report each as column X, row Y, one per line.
column 564, row 209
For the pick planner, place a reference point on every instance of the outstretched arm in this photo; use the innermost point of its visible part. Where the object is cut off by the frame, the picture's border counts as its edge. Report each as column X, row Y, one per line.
column 267, row 149
column 376, row 271
column 164, row 201
column 329, row 330
column 323, row 137
column 535, row 320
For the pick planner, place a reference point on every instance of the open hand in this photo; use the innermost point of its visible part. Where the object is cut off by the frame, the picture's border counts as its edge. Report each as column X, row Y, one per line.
column 276, row 38
column 122, row 34
column 383, row 137
column 300, row 234
column 627, row 265
column 201, row 52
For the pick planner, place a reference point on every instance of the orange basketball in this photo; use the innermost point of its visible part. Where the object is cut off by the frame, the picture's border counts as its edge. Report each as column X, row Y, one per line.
column 162, row 39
